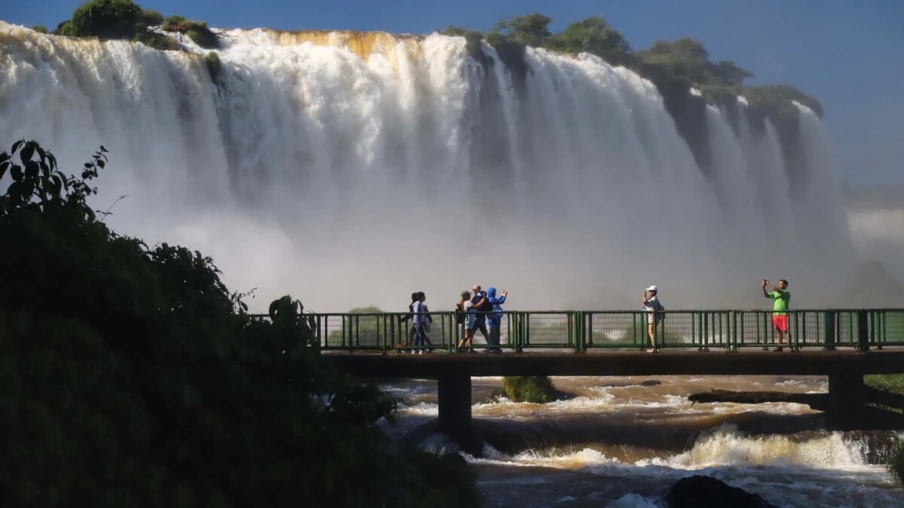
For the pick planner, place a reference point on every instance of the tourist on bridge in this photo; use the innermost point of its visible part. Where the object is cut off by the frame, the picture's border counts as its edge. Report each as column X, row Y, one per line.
column 464, row 308
column 415, row 297
column 481, row 306
column 421, row 321
column 494, row 319
column 406, row 317
column 781, row 300
column 652, row 305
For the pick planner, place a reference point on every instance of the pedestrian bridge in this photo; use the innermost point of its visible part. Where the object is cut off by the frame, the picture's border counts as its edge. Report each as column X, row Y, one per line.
column 597, row 331
column 842, row 344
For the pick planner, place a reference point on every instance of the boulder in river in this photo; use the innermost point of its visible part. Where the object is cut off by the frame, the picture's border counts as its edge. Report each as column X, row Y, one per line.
column 706, row 492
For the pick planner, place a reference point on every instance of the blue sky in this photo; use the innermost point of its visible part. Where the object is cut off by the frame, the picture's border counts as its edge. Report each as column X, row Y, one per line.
column 848, row 54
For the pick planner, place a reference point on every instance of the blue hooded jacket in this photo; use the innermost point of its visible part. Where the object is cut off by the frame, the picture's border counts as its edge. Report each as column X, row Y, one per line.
column 496, row 302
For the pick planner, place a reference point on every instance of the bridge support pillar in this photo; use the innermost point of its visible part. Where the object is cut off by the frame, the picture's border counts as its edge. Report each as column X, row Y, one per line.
column 455, row 410
column 846, row 399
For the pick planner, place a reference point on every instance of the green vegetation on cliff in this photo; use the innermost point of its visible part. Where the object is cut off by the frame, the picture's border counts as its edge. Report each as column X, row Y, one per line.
column 195, row 30
column 680, row 64
column 124, row 19
column 131, row 376
column 675, row 68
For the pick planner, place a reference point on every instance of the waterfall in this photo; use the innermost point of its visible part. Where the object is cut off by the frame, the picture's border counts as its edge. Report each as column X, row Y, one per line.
column 354, row 168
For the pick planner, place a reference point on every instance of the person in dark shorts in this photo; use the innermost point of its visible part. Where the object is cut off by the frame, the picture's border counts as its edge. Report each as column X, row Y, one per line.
column 482, row 307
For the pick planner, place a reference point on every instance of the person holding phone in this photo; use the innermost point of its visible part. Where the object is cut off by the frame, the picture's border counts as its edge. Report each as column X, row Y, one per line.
column 781, row 298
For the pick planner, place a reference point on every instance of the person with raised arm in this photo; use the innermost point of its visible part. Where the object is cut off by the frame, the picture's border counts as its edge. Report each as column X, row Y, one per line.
column 781, row 298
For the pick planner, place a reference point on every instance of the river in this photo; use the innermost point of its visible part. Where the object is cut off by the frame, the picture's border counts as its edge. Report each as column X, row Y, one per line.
column 624, row 441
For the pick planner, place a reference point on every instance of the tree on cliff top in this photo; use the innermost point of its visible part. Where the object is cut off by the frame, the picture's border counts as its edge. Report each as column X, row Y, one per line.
column 529, row 30
column 594, row 36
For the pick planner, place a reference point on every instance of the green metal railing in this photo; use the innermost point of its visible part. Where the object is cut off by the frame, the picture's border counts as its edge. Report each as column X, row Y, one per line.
column 581, row 331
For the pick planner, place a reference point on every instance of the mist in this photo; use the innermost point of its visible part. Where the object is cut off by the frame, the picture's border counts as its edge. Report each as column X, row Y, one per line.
column 352, row 178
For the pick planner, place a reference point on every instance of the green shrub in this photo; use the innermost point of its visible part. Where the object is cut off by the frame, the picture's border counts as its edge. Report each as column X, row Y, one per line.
column 472, row 39
column 720, row 95
column 41, row 29
column 155, row 40
column 214, row 66
column 195, row 30
column 151, row 18
column 62, row 28
column 536, row 389
column 106, row 19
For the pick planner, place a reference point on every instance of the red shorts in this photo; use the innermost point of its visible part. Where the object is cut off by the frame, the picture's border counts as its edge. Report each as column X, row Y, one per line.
column 780, row 323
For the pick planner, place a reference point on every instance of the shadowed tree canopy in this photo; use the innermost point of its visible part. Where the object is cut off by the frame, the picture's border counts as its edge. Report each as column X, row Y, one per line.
column 529, row 30
column 688, row 58
column 595, row 36
column 131, row 376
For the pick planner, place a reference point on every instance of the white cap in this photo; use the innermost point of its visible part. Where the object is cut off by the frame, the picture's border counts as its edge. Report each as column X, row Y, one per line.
column 653, row 288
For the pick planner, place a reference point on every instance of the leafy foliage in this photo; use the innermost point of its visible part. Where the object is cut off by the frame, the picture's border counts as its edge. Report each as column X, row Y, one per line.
column 594, row 36
column 472, row 38
column 529, row 30
column 124, row 19
column 151, row 18
column 214, row 66
column 106, row 19
column 131, row 374
column 195, row 30
column 155, row 40
column 116, row 19
column 536, row 389
column 41, row 29
column 674, row 67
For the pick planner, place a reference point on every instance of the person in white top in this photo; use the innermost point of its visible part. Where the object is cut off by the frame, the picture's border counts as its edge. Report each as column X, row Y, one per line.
column 464, row 306
column 652, row 305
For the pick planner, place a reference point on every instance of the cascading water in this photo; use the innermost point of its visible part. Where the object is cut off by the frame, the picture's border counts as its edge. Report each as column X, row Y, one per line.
column 400, row 163
column 350, row 169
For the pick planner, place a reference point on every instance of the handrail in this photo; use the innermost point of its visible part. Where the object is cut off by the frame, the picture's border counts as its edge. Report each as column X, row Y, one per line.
column 583, row 330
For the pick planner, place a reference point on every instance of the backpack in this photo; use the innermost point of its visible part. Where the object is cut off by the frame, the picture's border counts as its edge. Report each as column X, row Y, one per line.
column 459, row 314
column 487, row 306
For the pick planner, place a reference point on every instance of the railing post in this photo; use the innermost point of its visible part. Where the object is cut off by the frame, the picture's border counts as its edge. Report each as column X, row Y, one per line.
column 381, row 320
column 519, row 337
column 828, row 333
column 862, row 331
column 734, row 332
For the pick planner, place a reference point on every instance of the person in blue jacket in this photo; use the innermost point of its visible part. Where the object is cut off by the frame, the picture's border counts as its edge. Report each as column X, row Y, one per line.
column 494, row 320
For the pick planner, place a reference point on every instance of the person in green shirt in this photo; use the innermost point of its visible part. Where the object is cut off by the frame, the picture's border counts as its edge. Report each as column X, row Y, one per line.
column 781, row 298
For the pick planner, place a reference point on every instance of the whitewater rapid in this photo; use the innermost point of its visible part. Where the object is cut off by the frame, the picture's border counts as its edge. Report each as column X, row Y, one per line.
column 624, row 441
column 351, row 169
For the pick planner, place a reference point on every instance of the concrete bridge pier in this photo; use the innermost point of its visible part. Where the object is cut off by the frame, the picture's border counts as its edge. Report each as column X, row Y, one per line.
column 454, row 392
column 847, row 396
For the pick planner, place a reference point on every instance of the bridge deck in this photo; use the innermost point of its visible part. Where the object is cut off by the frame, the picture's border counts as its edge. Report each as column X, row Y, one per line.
column 613, row 363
